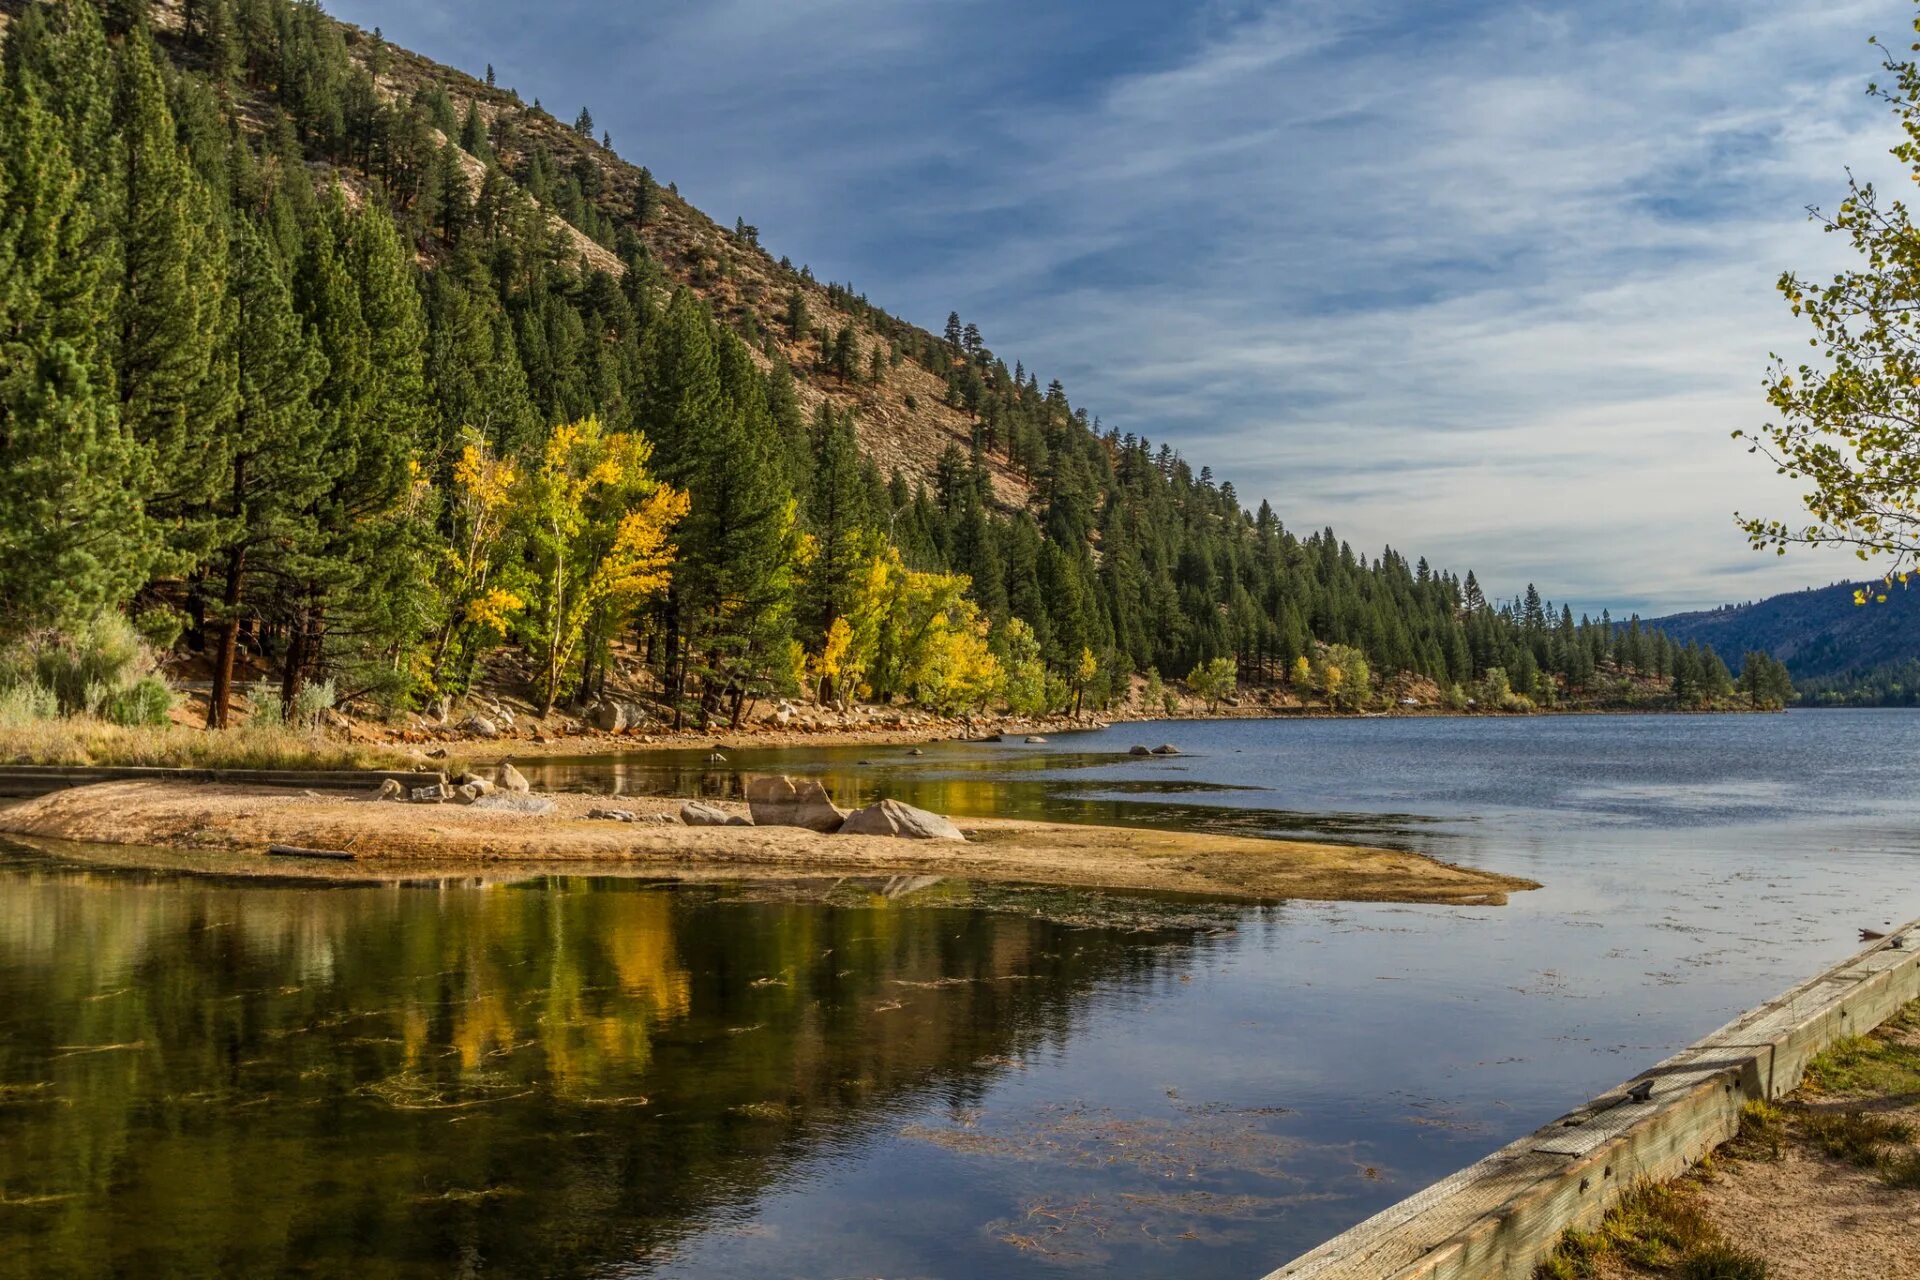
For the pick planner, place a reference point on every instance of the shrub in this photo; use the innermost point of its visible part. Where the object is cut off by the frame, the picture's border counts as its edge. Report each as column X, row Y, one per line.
column 26, row 703
column 315, row 696
column 148, row 701
column 83, row 669
column 263, row 705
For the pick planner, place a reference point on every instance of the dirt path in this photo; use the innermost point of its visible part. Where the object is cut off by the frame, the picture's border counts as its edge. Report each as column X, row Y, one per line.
column 242, row 821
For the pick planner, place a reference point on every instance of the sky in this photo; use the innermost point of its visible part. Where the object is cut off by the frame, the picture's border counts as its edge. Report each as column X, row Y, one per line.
column 1488, row 282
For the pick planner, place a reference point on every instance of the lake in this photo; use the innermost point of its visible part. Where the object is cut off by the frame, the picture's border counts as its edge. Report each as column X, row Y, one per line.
column 604, row 1076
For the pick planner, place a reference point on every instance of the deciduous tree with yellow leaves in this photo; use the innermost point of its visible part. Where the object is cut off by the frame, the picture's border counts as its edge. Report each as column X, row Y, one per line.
column 596, row 524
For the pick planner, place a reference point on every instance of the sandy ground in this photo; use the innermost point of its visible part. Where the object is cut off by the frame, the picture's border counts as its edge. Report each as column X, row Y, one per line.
column 242, row 821
column 1816, row 1218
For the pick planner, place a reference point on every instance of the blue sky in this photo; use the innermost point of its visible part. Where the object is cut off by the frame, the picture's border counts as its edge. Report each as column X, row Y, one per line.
column 1491, row 282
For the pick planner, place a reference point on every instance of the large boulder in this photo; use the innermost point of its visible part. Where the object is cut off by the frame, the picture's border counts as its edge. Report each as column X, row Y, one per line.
column 480, row 727
column 608, row 717
column 892, row 818
column 1167, row 749
column 511, row 779
column 784, row 802
column 1139, row 749
column 697, row 814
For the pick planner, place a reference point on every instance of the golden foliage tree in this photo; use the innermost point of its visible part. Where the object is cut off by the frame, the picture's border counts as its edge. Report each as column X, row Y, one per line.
column 597, row 526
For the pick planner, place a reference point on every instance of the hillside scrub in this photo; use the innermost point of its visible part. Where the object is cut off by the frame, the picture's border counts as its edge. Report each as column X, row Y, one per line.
column 321, row 357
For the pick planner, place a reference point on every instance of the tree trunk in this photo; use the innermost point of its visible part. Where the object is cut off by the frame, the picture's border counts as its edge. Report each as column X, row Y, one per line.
column 294, row 664
column 229, row 640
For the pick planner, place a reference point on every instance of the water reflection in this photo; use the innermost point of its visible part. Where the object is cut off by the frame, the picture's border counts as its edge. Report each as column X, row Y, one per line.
column 553, row 1077
column 1107, row 787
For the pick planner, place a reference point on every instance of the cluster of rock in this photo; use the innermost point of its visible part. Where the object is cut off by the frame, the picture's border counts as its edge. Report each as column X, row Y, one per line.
column 507, row 789
column 1164, row 749
column 781, row 801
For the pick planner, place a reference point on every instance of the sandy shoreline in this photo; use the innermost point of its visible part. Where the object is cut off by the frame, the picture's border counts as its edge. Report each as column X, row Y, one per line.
column 240, row 822
column 523, row 744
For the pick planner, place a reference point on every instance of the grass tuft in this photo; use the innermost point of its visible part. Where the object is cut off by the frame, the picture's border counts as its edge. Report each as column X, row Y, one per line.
column 1722, row 1262
column 1661, row 1226
column 1857, row 1137
column 1902, row 1170
column 1762, row 1134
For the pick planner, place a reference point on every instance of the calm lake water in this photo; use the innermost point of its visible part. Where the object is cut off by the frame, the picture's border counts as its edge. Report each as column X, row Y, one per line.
column 611, row 1077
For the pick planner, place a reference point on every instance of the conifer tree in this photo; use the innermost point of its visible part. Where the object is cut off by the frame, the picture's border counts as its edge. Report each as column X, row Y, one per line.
column 68, row 545
column 175, row 398
column 271, row 478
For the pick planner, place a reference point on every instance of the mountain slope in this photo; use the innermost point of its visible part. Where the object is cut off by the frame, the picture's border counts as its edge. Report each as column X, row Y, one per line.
column 904, row 421
column 1820, row 633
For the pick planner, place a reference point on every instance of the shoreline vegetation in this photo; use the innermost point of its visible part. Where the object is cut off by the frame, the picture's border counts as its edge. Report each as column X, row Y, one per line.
column 240, row 823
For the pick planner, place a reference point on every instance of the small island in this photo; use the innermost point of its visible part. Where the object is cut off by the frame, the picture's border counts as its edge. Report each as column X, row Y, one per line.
column 556, row 830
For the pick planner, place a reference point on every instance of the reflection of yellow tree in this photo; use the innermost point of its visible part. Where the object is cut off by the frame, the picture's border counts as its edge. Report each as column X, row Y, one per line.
column 611, row 976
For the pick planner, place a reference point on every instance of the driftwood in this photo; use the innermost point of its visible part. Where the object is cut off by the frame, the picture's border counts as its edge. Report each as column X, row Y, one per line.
column 295, row 851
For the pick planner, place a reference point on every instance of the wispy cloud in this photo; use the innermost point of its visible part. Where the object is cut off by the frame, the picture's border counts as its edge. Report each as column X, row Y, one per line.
column 1488, row 281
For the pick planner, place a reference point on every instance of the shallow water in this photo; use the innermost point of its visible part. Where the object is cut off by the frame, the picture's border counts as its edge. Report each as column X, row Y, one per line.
column 597, row 1076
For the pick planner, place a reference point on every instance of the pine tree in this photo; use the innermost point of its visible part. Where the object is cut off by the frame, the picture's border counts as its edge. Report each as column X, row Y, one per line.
column 175, row 398
column 273, row 471
column 68, row 545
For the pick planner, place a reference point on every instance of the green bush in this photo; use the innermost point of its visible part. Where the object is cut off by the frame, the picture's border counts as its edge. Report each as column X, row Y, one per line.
column 263, row 704
column 86, row 667
column 146, row 702
column 26, row 703
column 315, row 696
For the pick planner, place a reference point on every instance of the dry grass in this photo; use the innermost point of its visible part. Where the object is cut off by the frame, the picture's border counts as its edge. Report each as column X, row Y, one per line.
column 1662, row 1227
column 86, row 741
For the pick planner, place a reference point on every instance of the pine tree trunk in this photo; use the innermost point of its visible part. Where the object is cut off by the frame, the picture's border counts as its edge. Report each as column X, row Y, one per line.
column 229, row 640
column 293, row 664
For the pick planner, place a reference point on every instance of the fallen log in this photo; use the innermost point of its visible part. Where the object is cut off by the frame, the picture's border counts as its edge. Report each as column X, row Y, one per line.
column 295, row 851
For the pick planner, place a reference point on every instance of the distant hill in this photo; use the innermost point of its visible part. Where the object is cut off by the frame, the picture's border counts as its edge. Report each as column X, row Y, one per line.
column 1836, row 650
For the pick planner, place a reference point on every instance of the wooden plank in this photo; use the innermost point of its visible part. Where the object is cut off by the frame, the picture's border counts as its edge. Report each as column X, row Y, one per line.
column 295, row 851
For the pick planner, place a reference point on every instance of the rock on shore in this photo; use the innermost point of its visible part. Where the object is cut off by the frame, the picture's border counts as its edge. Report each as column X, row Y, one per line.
column 781, row 801
column 892, row 818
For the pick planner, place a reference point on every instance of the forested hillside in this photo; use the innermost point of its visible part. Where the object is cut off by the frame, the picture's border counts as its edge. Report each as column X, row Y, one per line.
column 1847, row 643
column 320, row 359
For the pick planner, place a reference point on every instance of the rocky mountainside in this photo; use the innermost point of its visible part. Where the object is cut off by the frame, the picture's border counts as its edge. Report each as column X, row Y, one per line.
column 904, row 420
